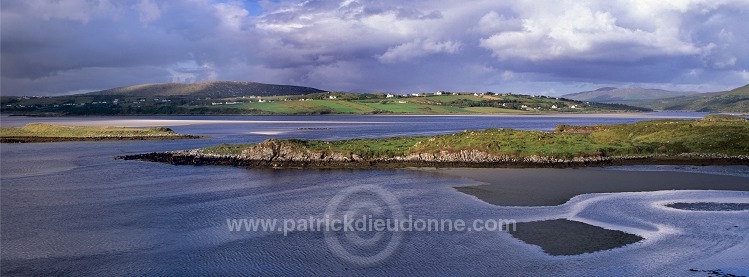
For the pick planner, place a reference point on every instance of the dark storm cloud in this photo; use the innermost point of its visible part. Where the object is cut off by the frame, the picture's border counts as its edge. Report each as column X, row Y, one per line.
column 53, row 47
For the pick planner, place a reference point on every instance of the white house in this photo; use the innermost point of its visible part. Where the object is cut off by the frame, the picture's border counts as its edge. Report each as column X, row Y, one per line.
column 573, row 107
column 438, row 93
column 332, row 97
column 554, row 106
column 389, row 95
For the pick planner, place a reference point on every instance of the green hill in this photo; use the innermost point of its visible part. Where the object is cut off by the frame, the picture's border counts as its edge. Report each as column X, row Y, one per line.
column 733, row 101
column 625, row 95
column 262, row 99
column 214, row 89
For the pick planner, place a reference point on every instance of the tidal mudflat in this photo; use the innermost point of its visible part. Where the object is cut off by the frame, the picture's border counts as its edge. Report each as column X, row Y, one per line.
column 573, row 191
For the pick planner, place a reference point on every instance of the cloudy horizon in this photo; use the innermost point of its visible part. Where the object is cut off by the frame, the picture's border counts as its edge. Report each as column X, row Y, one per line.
column 549, row 47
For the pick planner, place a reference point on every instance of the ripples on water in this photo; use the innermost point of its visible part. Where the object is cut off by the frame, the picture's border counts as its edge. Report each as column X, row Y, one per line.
column 70, row 209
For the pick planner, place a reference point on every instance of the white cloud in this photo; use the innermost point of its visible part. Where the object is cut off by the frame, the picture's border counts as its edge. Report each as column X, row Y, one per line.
column 417, row 49
column 726, row 63
column 232, row 15
column 508, row 75
column 389, row 44
column 74, row 10
column 744, row 75
column 148, row 11
column 582, row 32
column 492, row 22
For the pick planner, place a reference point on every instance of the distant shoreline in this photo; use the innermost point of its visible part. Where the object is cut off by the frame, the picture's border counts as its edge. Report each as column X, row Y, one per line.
column 154, row 120
column 113, row 138
column 624, row 114
column 40, row 132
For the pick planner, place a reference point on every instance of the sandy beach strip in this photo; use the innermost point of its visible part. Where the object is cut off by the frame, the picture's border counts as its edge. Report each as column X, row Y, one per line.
column 550, row 186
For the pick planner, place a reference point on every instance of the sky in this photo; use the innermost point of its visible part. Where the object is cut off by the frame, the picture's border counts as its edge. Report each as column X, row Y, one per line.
column 549, row 47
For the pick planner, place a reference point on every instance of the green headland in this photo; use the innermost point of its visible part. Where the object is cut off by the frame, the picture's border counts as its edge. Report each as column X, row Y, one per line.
column 720, row 139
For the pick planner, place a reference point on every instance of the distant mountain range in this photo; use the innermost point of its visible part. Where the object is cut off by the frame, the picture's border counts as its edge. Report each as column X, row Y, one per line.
column 228, row 97
column 215, row 89
column 625, row 95
column 733, row 101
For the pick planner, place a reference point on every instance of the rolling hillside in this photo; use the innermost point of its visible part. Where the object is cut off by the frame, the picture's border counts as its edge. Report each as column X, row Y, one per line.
column 625, row 95
column 733, row 101
column 212, row 98
column 215, row 89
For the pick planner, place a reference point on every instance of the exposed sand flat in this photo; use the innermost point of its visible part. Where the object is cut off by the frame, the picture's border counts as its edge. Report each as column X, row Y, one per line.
column 267, row 133
column 566, row 237
column 607, row 209
column 548, row 187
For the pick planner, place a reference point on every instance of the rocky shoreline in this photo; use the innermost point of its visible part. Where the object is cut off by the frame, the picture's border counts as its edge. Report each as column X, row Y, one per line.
column 276, row 154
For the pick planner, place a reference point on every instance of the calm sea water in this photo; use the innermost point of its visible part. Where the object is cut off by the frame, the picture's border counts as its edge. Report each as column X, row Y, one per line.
column 71, row 209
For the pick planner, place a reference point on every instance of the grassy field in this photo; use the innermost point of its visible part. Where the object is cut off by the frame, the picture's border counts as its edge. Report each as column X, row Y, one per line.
column 346, row 107
column 450, row 98
column 412, row 108
column 493, row 110
column 177, row 102
column 713, row 135
column 267, row 107
column 46, row 132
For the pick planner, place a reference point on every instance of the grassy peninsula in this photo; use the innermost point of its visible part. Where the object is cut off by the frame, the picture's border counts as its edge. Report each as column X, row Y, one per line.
column 714, row 139
column 38, row 132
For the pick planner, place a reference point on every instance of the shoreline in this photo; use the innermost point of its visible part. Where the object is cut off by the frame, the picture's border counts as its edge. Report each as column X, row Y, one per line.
column 187, row 158
column 624, row 114
column 32, row 139
column 42, row 132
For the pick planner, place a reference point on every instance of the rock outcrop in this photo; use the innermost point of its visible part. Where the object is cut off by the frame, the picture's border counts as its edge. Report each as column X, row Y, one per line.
column 276, row 153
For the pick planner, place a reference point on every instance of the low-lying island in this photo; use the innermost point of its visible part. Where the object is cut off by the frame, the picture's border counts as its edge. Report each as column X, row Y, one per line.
column 38, row 132
column 716, row 139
